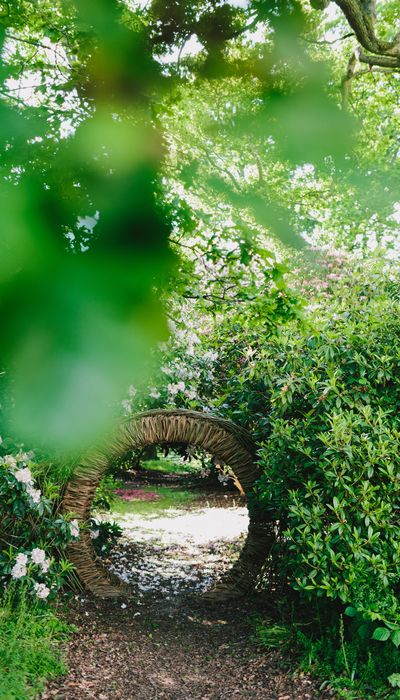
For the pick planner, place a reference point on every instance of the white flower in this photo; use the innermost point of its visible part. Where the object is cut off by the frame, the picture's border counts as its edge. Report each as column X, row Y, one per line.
column 22, row 457
column 38, row 555
column 154, row 393
column 171, row 325
column 132, row 391
column 21, row 558
column 191, row 393
column 45, row 566
column 19, row 568
column 94, row 534
column 34, row 494
column 174, row 388
column 123, row 606
column 74, row 527
column 166, row 370
column 9, row 461
column 24, row 476
column 41, row 590
column 210, row 355
column 126, row 405
column 18, row 571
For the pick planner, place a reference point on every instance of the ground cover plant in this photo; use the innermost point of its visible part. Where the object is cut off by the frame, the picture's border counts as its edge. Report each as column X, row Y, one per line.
column 200, row 210
column 31, row 636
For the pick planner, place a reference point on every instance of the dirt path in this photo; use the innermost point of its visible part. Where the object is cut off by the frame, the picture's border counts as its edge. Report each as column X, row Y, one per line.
column 167, row 644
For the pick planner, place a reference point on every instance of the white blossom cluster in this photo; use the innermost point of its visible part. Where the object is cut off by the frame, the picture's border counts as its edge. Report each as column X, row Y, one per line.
column 74, row 527
column 36, row 556
column 185, row 366
column 23, row 474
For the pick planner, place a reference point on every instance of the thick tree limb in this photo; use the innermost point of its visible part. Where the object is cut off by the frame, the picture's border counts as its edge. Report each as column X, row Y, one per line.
column 361, row 16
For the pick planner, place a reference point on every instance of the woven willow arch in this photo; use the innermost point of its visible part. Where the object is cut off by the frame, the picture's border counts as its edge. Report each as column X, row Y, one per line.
column 221, row 438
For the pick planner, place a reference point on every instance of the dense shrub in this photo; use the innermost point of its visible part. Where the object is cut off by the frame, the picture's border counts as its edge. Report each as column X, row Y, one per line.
column 322, row 397
column 330, row 460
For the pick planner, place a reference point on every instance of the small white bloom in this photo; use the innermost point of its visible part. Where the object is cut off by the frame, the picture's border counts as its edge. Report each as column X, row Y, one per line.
column 21, row 559
column 126, row 405
column 10, row 461
column 19, row 568
column 123, row 606
column 132, row 391
column 18, row 571
column 94, row 534
column 34, row 494
column 38, row 555
column 171, row 325
column 172, row 389
column 74, row 527
column 210, row 356
column 191, row 393
column 154, row 393
column 166, row 370
column 45, row 566
column 24, row 476
column 22, row 457
column 41, row 590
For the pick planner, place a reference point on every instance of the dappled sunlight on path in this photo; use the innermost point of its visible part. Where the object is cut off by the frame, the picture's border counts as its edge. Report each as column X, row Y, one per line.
column 178, row 551
column 165, row 643
column 199, row 526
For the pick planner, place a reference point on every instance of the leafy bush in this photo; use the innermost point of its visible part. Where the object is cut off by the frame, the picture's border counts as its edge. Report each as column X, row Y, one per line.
column 330, row 461
column 105, row 493
column 352, row 668
column 104, row 535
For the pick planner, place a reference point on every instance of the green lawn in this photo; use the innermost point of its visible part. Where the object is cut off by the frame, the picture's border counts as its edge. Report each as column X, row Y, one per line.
column 168, row 498
column 172, row 465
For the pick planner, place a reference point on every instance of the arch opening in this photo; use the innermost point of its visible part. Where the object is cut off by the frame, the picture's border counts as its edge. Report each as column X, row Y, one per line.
column 217, row 436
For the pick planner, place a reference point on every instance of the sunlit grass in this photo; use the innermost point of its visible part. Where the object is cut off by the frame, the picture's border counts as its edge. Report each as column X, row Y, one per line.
column 172, row 465
column 167, row 498
column 29, row 654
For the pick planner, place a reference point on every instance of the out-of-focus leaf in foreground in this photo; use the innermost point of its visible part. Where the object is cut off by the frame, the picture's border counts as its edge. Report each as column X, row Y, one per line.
column 83, row 241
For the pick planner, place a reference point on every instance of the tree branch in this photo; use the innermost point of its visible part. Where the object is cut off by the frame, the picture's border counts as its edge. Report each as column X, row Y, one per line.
column 361, row 16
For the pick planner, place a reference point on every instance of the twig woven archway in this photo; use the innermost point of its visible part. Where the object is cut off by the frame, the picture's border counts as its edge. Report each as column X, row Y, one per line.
column 218, row 436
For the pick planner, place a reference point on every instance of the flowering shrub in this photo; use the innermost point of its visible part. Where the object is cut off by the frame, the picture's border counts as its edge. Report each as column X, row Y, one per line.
column 322, row 398
column 32, row 537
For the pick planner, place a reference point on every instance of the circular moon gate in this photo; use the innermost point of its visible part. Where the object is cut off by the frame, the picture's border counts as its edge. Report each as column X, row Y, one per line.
column 221, row 438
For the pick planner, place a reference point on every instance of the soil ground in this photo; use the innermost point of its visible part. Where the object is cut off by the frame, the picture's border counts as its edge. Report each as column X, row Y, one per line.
column 166, row 643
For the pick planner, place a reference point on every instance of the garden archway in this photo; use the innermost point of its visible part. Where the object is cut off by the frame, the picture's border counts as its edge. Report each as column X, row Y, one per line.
column 220, row 437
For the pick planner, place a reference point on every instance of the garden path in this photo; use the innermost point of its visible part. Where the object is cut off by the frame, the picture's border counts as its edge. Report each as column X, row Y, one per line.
column 167, row 644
